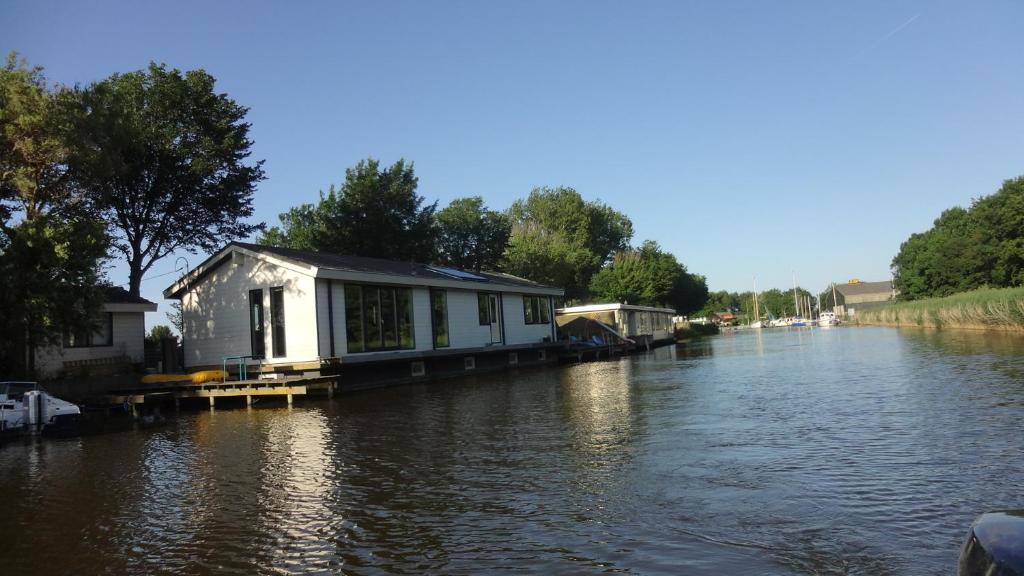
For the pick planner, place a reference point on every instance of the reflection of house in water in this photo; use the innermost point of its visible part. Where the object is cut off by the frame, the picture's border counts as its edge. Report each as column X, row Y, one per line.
column 642, row 324
column 598, row 403
column 372, row 320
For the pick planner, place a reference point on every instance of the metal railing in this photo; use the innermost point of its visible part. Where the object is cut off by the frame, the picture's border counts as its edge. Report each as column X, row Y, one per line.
column 243, row 366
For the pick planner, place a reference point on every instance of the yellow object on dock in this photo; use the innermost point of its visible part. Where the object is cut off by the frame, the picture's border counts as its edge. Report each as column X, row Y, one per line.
column 200, row 377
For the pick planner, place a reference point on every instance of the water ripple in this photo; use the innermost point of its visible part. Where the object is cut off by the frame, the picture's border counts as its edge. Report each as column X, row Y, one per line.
column 851, row 451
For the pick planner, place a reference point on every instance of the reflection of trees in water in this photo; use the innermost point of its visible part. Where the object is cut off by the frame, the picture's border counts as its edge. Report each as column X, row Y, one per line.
column 695, row 348
column 968, row 342
column 967, row 351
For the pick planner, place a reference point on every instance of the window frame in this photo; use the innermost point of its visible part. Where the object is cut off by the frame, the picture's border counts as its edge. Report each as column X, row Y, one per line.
column 536, row 310
column 257, row 328
column 348, row 292
column 434, row 292
column 397, row 317
column 89, row 337
column 483, row 308
column 277, row 322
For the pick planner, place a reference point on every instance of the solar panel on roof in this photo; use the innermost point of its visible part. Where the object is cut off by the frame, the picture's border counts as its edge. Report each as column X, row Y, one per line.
column 459, row 274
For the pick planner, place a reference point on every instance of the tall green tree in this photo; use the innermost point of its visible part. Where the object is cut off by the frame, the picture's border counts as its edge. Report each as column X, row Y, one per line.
column 950, row 257
column 649, row 276
column 560, row 239
column 470, row 236
column 999, row 224
column 966, row 248
column 720, row 301
column 166, row 159
column 51, row 245
column 376, row 213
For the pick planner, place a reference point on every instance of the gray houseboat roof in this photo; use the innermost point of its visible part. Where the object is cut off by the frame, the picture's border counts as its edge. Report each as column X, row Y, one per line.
column 330, row 265
column 864, row 288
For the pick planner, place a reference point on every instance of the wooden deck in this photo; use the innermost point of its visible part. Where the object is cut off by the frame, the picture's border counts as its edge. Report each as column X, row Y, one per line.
column 288, row 388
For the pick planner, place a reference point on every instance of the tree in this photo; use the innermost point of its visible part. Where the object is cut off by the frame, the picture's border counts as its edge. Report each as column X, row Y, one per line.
column 470, row 236
column 720, row 301
column 774, row 302
column 51, row 245
column 376, row 213
column 560, row 239
column 175, row 318
column 950, row 257
column 999, row 223
column 165, row 158
column 159, row 332
column 690, row 293
column 649, row 276
column 966, row 248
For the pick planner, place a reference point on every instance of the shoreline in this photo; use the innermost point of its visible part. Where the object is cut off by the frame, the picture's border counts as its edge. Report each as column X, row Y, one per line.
column 984, row 310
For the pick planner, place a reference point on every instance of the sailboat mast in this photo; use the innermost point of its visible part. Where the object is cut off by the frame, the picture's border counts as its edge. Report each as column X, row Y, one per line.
column 757, row 309
column 833, row 297
column 796, row 301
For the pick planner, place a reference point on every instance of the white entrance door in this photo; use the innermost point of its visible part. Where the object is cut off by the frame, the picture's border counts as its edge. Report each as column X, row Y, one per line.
column 492, row 308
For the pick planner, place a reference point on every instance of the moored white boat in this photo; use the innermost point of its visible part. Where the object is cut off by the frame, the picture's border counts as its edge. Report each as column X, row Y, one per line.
column 827, row 319
column 27, row 408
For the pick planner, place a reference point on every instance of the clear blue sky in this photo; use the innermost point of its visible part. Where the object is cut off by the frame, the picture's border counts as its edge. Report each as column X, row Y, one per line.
column 748, row 138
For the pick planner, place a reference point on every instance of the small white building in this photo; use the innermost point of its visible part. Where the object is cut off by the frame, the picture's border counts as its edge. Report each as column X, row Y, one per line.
column 117, row 341
column 302, row 311
column 644, row 324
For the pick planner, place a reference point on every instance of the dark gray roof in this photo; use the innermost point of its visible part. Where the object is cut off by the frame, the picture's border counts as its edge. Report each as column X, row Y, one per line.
column 864, row 288
column 118, row 295
column 380, row 266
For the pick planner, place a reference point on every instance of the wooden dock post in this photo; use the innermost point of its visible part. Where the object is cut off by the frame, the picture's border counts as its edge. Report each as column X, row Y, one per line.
column 177, row 404
column 248, row 401
column 212, row 398
column 289, row 399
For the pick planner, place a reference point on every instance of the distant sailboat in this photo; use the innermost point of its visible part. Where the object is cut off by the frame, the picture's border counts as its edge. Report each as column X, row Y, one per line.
column 826, row 319
column 757, row 323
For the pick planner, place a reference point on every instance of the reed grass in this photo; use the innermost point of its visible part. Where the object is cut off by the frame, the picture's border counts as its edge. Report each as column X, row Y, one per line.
column 983, row 309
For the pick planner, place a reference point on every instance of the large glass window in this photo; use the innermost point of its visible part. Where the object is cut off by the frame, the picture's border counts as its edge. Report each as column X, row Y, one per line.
column 371, row 316
column 536, row 310
column 403, row 311
column 257, row 342
column 354, row 317
column 483, row 309
column 389, row 327
column 378, row 318
column 102, row 334
column 277, row 321
column 439, row 318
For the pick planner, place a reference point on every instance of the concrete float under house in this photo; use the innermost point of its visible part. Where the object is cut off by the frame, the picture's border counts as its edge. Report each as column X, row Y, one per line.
column 370, row 320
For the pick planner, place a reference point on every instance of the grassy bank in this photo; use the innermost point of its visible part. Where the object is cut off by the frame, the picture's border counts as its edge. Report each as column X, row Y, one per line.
column 687, row 330
column 985, row 309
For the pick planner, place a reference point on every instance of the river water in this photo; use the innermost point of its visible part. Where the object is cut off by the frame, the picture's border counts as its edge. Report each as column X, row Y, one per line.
column 842, row 451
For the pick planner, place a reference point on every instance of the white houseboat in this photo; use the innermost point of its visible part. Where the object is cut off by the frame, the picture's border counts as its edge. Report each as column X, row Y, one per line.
column 645, row 325
column 373, row 321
